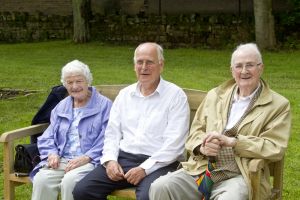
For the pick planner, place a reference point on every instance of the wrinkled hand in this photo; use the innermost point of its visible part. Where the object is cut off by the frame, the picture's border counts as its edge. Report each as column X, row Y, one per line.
column 77, row 162
column 114, row 170
column 53, row 161
column 210, row 147
column 135, row 175
column 224, row 140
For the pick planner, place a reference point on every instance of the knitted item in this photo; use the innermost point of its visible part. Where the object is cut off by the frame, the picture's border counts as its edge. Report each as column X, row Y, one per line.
column 205, row 182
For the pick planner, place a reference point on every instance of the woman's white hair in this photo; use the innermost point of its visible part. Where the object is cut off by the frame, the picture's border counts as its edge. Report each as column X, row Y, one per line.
column 76, row 67
column 252, row 47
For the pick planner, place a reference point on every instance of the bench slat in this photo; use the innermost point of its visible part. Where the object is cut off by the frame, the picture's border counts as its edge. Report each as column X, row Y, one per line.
column 126, row 193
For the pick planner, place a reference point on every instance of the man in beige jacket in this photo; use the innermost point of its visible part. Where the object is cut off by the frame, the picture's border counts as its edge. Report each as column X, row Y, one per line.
column 240, row 120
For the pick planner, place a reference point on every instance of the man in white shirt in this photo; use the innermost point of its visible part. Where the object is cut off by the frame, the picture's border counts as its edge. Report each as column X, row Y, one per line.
column 145, row 136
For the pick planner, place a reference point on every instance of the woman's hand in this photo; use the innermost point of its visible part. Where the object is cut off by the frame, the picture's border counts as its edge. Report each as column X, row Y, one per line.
column 77, row 162
column 53, row 161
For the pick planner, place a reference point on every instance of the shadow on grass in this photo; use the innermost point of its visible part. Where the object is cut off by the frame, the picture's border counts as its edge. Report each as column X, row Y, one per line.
column 7, row 93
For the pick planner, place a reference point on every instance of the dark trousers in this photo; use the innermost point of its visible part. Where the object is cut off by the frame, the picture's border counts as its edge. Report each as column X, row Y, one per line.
column 97, row 186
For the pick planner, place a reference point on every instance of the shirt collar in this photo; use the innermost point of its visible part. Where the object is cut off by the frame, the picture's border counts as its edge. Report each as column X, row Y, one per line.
column 236, row 97
column 135, row 91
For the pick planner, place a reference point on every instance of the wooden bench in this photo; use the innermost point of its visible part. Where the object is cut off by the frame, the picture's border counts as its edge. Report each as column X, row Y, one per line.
column 194, row 98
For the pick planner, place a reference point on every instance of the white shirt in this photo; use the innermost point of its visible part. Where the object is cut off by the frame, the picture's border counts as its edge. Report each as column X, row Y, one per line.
column 155, row 125
column 72, row 148
column 238, row 108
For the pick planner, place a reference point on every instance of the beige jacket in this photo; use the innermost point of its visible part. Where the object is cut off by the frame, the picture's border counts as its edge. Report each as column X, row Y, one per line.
column 264, row 133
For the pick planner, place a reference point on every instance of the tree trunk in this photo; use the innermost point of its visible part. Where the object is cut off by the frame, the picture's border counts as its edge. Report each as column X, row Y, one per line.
column 81, row 13
column 264, row 24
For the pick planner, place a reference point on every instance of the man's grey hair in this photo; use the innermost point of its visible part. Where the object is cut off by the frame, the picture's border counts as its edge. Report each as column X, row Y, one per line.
column 159, row 49
column 246, row 47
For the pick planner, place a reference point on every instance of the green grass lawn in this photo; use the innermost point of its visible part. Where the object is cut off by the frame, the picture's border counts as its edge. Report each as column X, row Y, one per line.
column 37, row 66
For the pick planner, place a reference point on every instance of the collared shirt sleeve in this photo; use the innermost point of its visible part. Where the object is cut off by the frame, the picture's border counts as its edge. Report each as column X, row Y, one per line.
column 113, row 133
column 174, row 135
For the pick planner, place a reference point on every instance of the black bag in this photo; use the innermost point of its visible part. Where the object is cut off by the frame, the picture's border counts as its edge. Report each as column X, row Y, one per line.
column 26, row 158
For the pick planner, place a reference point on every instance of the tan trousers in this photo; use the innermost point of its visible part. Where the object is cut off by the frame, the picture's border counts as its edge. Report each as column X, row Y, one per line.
column 48, row 182
column 179, row 185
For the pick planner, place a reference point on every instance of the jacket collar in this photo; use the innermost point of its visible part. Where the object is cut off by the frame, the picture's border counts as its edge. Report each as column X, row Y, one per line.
column 65, row 107
column 226, row 89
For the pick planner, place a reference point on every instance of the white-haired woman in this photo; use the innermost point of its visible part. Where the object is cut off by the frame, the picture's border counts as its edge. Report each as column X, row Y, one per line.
column 72, row 144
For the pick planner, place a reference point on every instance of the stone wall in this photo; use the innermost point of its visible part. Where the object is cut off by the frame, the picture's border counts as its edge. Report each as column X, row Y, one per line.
column 174, row 30
column 171, row 30
column 35, row 20
column 25, row 27
column 41, row 20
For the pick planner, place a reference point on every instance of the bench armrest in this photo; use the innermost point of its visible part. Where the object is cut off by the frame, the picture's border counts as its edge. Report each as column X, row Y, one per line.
column 23, row 132
column 256, row 164
column 255, row 167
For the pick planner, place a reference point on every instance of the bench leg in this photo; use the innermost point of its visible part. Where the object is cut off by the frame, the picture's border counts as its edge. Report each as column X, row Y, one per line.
column 9, row 190
column 8, row 160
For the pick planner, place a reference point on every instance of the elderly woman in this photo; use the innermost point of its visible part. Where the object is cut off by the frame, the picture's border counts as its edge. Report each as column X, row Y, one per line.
column 240, row 120
column 72, row 144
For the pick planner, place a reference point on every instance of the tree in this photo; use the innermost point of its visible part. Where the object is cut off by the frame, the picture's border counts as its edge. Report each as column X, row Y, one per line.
column 264, row 24
column 81, row 15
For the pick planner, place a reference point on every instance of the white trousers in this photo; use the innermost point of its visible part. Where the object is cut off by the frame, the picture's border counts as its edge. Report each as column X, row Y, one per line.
column 179, row 185
column 48, row 182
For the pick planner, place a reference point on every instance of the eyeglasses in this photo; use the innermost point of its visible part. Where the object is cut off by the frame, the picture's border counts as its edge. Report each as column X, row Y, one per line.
column 76, row 82
column 146, row 62
column 248, row 66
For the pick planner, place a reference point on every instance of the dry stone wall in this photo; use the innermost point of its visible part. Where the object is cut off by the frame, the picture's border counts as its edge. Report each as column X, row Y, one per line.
column 171, row 30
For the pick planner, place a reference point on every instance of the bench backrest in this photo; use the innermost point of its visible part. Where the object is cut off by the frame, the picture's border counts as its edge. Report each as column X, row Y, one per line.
column 195, row 97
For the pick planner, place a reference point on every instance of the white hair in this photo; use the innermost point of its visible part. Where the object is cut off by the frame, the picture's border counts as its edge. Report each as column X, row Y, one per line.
column 76, row 67
column 252, row 47
column 159, row 49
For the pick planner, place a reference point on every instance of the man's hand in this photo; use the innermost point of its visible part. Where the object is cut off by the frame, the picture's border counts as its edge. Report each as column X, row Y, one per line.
column 135, row 175
column 224, row 140
column 53, row 161
column 210, row 148
column 114, row 171
column 77, row 162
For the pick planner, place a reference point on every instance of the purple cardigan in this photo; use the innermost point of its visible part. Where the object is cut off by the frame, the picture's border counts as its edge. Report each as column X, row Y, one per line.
column 91, row 129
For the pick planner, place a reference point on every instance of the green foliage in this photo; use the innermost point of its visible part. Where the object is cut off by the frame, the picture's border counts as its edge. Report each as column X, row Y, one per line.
column 292, row 16
column 287, row 25
column 37, row 66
